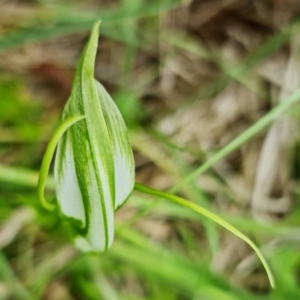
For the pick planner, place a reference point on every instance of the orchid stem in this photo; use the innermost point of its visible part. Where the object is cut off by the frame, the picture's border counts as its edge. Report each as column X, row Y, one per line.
column 48, row 158
column 195, row 207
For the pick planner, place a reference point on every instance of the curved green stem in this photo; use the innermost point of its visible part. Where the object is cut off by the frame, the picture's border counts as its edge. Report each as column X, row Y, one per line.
column 48, row 158
column 213, row 217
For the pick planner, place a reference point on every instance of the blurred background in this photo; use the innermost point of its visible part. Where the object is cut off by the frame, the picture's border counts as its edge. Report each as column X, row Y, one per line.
column 188, row 76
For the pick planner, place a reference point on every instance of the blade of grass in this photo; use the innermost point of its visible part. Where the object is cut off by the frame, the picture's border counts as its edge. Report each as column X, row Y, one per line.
column 172, row 269
column 238, row 72
column 17, row 291
column 242, row 138
column 211, row 216
column 22, row 177
column 68, row 22
column 105, row 289
column 171, row 166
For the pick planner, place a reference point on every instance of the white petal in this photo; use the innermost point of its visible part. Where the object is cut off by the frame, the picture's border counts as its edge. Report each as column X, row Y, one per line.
column 67, row 187
column 124, row 178
column 122, row 152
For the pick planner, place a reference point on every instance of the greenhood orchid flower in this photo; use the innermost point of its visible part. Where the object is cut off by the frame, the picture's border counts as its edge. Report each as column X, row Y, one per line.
column 94, row 166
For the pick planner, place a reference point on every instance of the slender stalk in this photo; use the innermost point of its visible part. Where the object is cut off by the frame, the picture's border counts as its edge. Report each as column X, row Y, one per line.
column 213, row 217
column 48, row 158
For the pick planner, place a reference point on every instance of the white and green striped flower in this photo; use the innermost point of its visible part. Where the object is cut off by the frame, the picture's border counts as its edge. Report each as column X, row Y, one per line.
column 94, row 166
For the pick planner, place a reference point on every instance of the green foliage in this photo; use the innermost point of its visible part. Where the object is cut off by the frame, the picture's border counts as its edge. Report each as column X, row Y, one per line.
column 37, row 260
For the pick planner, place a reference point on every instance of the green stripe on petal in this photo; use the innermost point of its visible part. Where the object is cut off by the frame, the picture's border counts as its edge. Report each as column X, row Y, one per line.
column 101, row 229
column 122, row 152
column 67, row 187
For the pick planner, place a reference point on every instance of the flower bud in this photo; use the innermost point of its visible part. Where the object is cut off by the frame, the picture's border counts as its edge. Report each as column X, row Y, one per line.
column 94, row 166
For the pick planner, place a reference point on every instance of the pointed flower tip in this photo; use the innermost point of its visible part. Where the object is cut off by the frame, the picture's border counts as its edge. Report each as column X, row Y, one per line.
column 96, row 28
